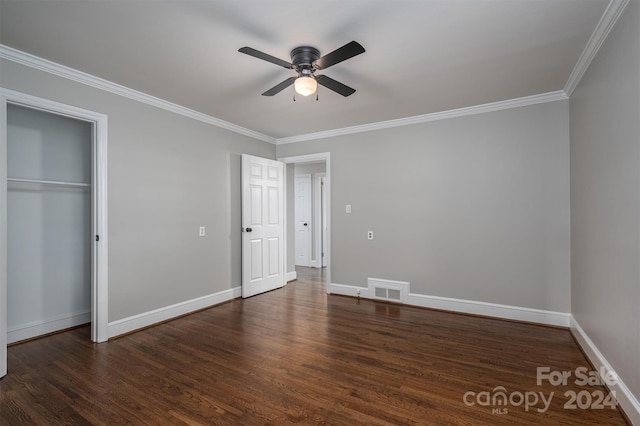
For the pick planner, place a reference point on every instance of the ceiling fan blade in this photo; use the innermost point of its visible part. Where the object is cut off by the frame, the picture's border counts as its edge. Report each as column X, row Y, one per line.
column 343, row 53
column 279, row 87
column 334, row 85
column 261, row 55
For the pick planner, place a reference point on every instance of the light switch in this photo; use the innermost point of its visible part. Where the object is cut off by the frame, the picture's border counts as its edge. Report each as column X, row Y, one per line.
column 348, row 208
column 202, row 231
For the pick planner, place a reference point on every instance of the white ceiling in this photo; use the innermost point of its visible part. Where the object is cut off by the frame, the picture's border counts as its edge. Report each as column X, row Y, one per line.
column 422, row 56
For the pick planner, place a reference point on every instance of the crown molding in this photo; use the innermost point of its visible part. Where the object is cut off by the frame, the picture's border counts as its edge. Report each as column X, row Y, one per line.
column 45, row 65
column 425, row 118
column 608, row 20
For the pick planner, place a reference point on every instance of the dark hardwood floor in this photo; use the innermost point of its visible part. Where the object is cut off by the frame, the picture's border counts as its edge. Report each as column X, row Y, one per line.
column 298, row 356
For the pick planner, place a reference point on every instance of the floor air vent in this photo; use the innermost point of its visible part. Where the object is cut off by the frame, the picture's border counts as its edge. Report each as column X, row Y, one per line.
column 394, row 291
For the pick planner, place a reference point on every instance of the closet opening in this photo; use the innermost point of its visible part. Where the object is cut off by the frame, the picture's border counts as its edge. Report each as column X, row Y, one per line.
column 49, row 222
column 53, row 220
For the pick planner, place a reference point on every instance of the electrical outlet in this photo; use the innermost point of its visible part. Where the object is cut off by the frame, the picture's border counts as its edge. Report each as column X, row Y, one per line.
column 348, row 208
column 202, row 231
column 370, row 235
column 358, row 292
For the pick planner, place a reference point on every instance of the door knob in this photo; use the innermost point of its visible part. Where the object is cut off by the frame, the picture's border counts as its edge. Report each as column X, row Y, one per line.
column 306, row 224
column 247, row 229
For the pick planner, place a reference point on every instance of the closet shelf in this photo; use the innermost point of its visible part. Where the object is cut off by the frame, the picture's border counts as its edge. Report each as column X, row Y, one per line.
column 49, row 182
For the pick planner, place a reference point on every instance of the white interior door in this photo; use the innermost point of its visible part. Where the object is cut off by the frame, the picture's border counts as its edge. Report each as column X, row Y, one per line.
column 302, row 208
column 262, row 225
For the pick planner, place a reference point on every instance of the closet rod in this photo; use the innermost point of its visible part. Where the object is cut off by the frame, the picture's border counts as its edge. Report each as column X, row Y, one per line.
column 49, row 182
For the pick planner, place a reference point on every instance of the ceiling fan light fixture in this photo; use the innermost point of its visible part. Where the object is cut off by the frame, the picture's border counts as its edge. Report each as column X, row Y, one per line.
column 305, row 86
column 305, row 60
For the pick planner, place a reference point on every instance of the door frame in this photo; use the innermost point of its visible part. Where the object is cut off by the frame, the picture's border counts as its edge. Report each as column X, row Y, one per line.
column 99, row 255
column 320, row 213
column 313, row 158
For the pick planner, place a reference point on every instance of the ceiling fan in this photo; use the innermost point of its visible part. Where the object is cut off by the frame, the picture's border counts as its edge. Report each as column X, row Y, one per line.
column 306, row 60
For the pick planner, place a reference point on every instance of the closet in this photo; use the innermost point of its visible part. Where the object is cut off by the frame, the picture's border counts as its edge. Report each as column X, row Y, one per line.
column 49, row 222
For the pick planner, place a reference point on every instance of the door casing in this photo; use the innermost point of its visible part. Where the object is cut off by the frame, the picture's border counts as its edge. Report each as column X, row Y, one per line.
column 321, row 215
column 99, row 257
column 313, row 158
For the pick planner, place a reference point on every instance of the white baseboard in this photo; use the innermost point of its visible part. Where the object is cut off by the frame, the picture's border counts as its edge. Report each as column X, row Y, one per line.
column 628, row 402
column 517, row 313
column 292, row 276
column 38, row 328
column 127, row 325
column 349, row 290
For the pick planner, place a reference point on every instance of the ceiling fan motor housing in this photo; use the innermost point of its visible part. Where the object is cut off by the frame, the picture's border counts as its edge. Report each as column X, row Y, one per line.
column 304, row 56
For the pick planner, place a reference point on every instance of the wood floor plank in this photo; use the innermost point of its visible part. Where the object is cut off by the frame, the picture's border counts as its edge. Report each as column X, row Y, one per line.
column 298, row 356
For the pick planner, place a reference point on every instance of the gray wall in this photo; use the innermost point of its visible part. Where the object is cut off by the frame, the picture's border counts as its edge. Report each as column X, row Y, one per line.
column 310, row 168
column 473, row 208
column 168, row 175
column 605, row 201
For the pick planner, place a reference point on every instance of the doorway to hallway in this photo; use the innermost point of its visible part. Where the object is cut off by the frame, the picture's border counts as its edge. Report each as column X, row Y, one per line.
column 318, row 226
